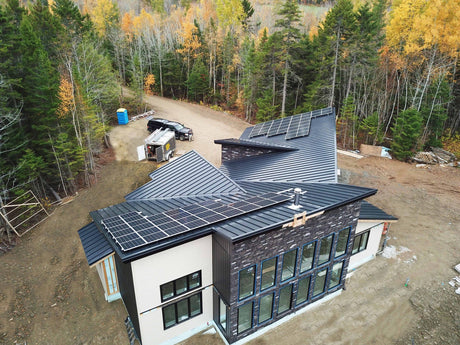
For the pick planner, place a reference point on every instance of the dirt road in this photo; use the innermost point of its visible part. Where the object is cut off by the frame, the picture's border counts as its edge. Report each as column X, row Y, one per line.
column 49, row 295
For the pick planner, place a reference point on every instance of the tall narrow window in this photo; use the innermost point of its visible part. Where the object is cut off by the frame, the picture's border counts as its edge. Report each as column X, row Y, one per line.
column 265, row 308
column 246, row 282
column 325, row 249
column 222, row 314
column 289, row 261
column 360, row 242
column 320, row 282
column 342, row 242
column 268, row 273
column 285, row 299
column 245, row 317
column 308, row 255
column 303, row 290
column 336, row 275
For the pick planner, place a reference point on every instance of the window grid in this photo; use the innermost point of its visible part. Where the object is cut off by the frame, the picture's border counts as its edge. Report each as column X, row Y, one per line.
column 289, row 265
column 180, row 286
column 266, row 308
column 342, row 242
column 307, row 260
column 265, row 278
column 182, row 310
column 325, row 249
column 336, row 275
column 243, row 312
column 360, row 242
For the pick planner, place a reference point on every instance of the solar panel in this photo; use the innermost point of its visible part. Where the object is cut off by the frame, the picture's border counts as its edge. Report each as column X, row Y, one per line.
column 299, row 126
column 133, row 230
column 256, row 130
column 275, row 125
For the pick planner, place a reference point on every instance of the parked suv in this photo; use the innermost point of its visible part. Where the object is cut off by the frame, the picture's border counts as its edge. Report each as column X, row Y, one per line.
column 181, row 132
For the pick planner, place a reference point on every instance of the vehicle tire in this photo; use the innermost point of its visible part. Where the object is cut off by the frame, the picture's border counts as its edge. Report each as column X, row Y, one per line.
column 182, row 138
column 190, row 137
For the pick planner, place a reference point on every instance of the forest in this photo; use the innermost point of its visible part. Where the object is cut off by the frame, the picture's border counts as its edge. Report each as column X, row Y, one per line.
column 390, row 69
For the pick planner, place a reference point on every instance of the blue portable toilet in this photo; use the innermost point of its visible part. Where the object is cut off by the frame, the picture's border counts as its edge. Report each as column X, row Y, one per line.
column 122, row 116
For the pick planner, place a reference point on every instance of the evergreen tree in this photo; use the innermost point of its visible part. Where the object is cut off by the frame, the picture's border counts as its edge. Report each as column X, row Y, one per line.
column 197, row 82
column 405, row 133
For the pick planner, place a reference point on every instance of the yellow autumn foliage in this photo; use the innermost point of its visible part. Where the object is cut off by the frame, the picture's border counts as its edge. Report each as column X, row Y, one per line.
column 65, row 97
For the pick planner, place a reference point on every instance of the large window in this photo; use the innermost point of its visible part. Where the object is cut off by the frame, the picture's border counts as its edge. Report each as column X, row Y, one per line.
column 246, row 282
column 308, row 255
column 342, row 242
column 285, row 299
column 182, row 310
column 320, row 282
column 336, row 275
column 303, row 290
column 325, row 249
column 266, row 308
column 268, row 273
column 180, row 286
column 222, row 314
column 360, row 242
column 245, row 317
column 289, row 261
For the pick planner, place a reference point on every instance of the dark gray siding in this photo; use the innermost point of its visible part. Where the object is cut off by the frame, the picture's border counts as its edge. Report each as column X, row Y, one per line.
column 254, row 250
column 125, row 281
column 221, row 250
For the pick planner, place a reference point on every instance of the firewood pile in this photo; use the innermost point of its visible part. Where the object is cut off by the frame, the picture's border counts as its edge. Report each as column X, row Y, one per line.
column 435, row 156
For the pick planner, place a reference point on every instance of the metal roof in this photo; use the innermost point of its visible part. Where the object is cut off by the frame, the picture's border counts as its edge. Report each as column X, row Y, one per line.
column 313, row 161
column 254, row 143
column 306, row 160
column 188, row 175
column 94, row 243
column 371, row 212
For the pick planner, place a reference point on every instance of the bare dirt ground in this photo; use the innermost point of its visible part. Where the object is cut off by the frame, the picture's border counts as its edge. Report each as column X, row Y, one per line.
column 49, row 295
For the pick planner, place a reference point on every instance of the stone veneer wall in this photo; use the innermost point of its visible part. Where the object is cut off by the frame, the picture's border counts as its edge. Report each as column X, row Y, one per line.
column 276, row 242
column 231, row 152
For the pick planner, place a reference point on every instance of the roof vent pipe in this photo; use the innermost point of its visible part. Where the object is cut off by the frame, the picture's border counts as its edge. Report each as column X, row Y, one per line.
column 297, row 192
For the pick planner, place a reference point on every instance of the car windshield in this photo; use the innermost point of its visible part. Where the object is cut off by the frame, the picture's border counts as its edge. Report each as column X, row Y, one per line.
column 177, row 126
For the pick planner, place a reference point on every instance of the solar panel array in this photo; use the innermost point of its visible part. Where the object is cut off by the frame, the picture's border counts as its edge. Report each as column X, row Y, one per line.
column 132, row 230
column 293, row 126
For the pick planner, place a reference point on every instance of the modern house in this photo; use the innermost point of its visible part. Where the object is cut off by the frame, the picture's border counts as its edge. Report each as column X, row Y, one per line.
column 241, row 247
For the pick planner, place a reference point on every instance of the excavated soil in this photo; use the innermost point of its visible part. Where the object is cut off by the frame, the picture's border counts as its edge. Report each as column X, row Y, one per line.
column 49, row 295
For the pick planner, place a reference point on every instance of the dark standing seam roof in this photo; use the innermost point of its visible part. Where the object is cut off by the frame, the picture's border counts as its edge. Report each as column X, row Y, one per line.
column 314, row 161
column 255, row 144
column 188, row 175
column 371, row 212
column 300, row 162
column 94, row 243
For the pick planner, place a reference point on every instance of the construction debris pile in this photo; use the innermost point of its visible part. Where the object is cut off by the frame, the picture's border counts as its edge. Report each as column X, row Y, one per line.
column 435, row 156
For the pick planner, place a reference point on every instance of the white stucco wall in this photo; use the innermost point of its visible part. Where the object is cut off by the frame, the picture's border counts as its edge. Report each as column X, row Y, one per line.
column 152, row 271
column 372, row 244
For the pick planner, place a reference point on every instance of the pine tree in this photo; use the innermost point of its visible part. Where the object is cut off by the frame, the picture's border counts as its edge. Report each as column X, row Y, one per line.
column 405, row 133
column 197, row 82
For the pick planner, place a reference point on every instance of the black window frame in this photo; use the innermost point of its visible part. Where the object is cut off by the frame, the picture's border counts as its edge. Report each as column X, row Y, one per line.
column 360, row 235
column 189, row 310
column 326, row 269
column 253, row 282
column 262, row 272
column 272, row 314
column 346, row 244
column 238, row 317
column 290, row 299
column 319, row 262
column 296, row 250
column 309, row 277
column 188, row 277
column 315, row 242
column 331, row 272
column 221, row 302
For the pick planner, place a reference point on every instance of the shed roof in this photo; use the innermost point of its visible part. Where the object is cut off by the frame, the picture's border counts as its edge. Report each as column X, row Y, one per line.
column 371, row 212
column 314, row 159
column 94, row 243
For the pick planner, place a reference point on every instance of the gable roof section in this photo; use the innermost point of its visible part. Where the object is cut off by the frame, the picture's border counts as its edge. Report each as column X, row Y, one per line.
column 255, row 144
column 188, row 175
column 94, row 243
column 313, row 161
